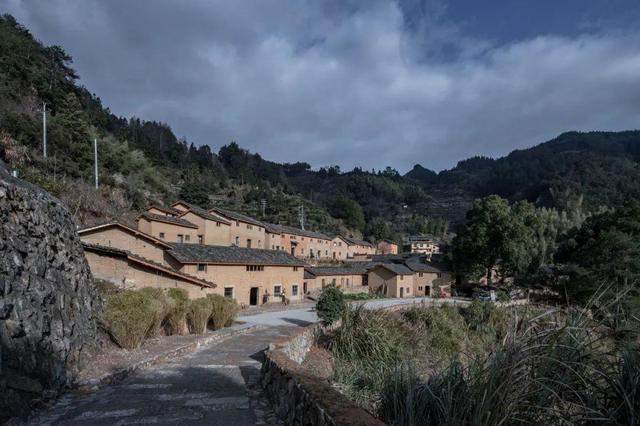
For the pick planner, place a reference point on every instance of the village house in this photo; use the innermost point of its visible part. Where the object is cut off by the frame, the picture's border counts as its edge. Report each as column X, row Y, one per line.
column 212, row 229
column 130, row 271
column 387, row 247
column 250, row 276
column 299, row 242
column 119, row 236
column 350, row 279
column 340, row 247
column 167, row 228
column 429, row 279
column 422, row 244
column 391, row 280
column 359, row 249
column 244, row 231
column 163, row 210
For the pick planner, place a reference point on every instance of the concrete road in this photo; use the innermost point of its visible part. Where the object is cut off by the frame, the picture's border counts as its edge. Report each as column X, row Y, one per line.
column 307, row 315
column 216, row 385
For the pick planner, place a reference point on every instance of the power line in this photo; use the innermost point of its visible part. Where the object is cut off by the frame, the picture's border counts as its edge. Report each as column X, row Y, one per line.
column 44, row 129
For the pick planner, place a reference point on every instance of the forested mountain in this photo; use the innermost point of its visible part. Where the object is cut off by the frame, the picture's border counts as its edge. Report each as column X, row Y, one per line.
column 143, row 161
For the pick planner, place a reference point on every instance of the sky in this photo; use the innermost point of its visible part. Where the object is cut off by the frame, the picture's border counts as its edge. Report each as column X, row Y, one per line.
column 369, row 83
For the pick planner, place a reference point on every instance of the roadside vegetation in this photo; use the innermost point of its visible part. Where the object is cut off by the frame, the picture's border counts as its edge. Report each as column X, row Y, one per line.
column 132, row 316
column 485, row 364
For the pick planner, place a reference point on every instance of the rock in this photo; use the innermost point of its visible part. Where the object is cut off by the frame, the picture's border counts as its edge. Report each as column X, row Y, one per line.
column 48, row 303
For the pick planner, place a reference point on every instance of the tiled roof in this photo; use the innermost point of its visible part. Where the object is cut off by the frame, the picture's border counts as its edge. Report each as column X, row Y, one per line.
column 283, row 229
column 235, row 216
column 144, row 261
column 125, row 228
column 199, row 211
column 165, row 209
column 396, row 268
column 308, row 275
column 357, row 242
column 416, row 238
column 332, row 270
column 168, row 219
column 418, row 264
column 200, row 253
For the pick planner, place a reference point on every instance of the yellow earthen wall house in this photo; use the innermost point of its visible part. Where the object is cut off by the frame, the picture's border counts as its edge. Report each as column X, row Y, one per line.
column 212, row 232
column 387, row 247
column 392, row 284
column 122, row 237
column 244, row 231
column 339, row 248
column 250, row 276
column 130, row 273
column 167, row 228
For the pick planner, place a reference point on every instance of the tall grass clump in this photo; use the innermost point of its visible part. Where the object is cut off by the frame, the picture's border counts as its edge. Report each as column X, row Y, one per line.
column 367, row 346
column 176, row 321
column 223, row 311
column 163, row 303
column 554, row 368
column 198, row 314
column 128, row 317
column 331, row 304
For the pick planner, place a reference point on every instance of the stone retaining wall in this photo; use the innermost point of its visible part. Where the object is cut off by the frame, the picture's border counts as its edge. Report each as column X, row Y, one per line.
column 298, row 396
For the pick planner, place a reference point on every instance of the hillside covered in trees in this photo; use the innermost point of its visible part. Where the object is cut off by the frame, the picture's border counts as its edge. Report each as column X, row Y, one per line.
column 143, row 161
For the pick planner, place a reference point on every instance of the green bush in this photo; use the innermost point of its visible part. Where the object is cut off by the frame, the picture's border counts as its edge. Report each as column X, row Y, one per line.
column 176, row 321
column 128, row 317
column 330, row 305
column 198, row 314
column 165, row 304
column 223, row 311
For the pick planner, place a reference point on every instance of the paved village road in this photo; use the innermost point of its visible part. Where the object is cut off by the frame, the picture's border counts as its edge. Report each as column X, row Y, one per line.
column 216, row 385
column 307, row 315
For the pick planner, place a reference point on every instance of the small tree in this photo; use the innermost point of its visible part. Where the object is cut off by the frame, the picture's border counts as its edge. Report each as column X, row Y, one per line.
column 330, row 304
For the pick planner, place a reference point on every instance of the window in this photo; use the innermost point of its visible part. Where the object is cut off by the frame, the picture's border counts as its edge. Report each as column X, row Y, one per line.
column 304, row 287
column 259, row 243
column 294, row 290
column 237, row 241
column 202, row 267
column 162, row 235
column 218, row 224
column 277, row 290
column 295, row 268
column 420, row 288
column 180, row 238
column 323, row 283
column 401, row 278
column 200, row 239
column 347, row 282
column 249, row 227
column 187, row 237
column 253, row 268
column 248, row 243
column 420, row 274
column 342, row 281
column 228, row 292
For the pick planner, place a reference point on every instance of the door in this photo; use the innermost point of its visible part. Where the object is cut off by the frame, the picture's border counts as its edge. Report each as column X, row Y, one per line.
column 253, row 296
column 248, row 243
column 401, row 291
column 293, row 251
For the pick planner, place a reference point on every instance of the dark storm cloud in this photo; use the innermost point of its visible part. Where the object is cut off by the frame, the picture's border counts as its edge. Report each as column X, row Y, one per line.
column 369, row 83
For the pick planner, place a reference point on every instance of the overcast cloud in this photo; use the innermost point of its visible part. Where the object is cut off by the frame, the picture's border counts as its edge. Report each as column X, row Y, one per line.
column 370, row 83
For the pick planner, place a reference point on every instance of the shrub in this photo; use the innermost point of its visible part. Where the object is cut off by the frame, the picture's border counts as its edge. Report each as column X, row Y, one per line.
column 105, row 287
column 198, row 314
column 330, row 305
column 223, row 310
column 164, row 305
column 177, row 316
column 128, row 316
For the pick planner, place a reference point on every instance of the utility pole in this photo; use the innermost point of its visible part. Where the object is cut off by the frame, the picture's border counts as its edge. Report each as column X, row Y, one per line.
column 44, row 129
column 301, row 216
column 95, row 156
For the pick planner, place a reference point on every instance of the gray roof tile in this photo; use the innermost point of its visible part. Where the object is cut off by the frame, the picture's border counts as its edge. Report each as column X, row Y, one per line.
column 168, row 219
column 236, row 216
column 200, row 253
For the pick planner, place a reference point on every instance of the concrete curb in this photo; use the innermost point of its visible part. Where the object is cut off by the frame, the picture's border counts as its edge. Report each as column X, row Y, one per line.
column 121, row 374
